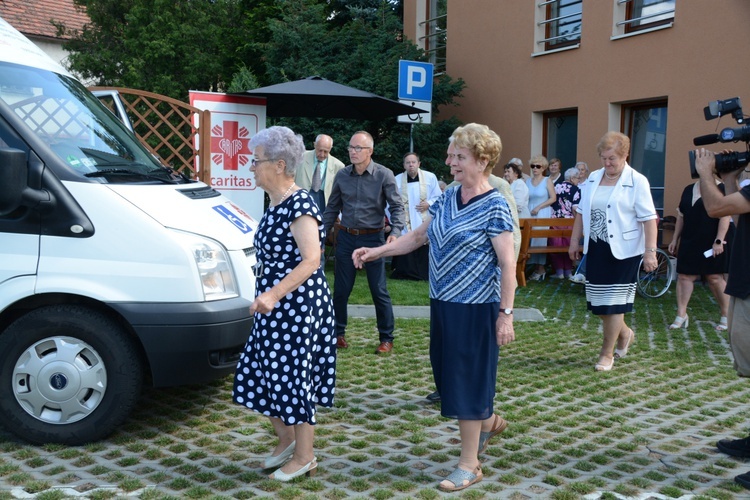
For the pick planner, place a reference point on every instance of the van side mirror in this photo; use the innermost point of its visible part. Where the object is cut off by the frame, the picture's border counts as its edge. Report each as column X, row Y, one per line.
column 13, row 179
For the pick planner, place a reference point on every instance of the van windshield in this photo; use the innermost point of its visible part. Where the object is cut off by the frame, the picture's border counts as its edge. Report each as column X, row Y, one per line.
column 82, row 132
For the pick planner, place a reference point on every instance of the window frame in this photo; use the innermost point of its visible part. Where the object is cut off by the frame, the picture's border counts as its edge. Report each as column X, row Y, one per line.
column 550, row 115
column 627, row 127
column 633, row 16
column 550, row 22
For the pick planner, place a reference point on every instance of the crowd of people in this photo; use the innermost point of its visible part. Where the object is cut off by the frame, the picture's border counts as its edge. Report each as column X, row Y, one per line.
column 464, row 239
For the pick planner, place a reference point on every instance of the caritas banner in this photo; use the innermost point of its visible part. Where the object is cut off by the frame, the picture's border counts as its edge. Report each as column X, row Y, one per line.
column 234, row 120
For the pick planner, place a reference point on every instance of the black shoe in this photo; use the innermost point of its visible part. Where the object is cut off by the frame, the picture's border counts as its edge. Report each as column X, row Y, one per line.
column 735, row 447
column 433, row 397
column 743, row 479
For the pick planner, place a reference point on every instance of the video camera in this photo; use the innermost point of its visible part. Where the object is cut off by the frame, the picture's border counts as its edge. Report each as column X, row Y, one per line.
column 725, row 162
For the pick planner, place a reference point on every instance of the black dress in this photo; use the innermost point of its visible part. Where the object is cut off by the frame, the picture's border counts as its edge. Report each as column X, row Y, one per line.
column 289, row 362
column 698, row 235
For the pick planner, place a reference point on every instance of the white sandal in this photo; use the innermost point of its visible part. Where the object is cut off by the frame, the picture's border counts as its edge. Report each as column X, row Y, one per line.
column 723, row 325
column 679, row 322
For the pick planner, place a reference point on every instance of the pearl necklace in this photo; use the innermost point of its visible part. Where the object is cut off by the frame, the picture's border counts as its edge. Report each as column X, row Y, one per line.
column 612, row 177
column 283, row 197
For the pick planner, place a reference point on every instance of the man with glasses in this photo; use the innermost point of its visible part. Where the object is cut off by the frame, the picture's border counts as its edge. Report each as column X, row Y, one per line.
column 360, row 193
column 318, row 169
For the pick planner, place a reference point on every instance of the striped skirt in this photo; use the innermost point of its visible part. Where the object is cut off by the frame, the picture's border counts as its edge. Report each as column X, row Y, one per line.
column 610, row 282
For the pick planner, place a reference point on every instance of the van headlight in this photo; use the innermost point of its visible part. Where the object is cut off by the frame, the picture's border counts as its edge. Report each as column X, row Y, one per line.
column 214, row 267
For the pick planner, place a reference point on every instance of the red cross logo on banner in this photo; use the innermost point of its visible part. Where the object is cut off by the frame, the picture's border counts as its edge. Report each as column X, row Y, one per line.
column 229, row 145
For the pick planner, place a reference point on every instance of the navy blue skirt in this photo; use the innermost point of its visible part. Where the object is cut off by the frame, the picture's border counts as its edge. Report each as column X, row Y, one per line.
column 610, row 282
column 463, row 353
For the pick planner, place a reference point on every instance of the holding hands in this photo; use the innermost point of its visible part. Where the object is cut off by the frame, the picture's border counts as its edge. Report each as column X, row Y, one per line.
column 363, row 255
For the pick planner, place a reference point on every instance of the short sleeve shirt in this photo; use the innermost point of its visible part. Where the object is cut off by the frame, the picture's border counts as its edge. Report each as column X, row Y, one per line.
column 463, row 262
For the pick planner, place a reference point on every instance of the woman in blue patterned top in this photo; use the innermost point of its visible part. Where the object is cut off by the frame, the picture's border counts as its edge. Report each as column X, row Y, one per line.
column 472, row 285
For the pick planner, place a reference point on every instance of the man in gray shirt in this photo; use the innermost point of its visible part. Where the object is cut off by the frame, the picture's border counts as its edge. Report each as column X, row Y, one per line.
column 360, row 193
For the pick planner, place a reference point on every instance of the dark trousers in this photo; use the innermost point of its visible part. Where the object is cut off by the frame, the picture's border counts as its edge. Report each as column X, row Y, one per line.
column 320, row 199
column 345, row 275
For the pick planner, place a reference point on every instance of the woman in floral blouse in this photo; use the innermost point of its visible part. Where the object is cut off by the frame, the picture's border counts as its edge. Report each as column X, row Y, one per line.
column 568, row 196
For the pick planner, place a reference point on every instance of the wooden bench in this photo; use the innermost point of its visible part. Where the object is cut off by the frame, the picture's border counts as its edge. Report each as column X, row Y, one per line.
column 540, row 228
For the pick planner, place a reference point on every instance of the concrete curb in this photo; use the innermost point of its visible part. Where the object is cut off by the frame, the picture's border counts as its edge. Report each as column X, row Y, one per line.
column 423, row 312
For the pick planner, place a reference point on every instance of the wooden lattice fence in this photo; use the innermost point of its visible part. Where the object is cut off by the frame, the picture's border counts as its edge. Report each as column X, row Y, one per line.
column 169, row 129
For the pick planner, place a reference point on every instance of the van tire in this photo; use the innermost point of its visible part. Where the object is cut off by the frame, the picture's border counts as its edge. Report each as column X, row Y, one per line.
column 68, row 374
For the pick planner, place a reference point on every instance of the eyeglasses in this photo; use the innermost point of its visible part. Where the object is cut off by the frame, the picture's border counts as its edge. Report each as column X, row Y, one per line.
column 255, row 161
column 358, row 149
column 535, row 166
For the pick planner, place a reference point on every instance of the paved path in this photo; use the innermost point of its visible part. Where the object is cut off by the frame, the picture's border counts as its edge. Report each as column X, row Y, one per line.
column 646, row 430
column 423, row 312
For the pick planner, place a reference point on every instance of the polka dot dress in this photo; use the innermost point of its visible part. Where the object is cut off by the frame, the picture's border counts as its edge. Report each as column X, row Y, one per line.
column 289, row 362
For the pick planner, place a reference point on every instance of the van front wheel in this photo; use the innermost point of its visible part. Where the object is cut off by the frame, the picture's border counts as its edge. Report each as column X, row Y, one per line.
column 68, row 375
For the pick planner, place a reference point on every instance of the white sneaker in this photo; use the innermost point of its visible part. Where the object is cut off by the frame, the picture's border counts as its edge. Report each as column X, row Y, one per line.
column 578, row 278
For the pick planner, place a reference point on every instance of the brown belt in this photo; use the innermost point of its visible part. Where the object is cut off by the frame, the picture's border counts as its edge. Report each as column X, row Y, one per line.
column 357, row 232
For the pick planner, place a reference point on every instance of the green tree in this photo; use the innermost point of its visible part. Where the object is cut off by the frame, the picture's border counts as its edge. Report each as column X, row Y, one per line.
column 362, row 51
column 173, row 46
column 163, row 46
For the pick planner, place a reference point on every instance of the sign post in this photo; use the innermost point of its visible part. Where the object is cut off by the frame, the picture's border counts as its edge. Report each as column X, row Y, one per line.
column 415, row 89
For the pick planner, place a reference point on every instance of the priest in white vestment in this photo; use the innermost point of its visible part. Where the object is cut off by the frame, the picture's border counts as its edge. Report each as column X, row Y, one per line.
column 419, row 189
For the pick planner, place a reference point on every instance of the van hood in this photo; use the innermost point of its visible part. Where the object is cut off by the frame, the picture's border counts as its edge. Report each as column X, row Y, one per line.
column 193, row 208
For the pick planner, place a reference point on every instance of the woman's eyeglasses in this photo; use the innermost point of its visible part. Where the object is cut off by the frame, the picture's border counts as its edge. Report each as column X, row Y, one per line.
column 257, row 161
column 535, row 166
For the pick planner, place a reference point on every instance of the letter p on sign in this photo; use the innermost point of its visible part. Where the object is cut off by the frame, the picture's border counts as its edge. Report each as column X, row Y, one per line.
column 416, row 77
column 415, row 80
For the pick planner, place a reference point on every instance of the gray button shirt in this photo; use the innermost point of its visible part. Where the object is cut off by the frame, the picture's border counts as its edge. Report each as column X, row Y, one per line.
column 361, row 199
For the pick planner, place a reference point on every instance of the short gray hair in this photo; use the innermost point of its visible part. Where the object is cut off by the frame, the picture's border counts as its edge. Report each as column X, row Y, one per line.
column 280, row 143
column 570, row 173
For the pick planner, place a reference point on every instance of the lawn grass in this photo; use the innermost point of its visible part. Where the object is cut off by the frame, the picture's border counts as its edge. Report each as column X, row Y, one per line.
column 403, row 292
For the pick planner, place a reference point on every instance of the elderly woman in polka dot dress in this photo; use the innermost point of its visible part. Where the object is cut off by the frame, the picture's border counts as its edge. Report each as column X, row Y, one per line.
column 289, row 362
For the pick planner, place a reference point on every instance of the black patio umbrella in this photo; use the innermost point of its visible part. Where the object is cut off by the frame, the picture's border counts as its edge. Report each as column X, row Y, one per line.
column 316, row 97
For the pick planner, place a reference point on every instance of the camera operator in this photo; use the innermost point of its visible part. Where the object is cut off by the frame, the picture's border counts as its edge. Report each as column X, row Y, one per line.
column 736, row 202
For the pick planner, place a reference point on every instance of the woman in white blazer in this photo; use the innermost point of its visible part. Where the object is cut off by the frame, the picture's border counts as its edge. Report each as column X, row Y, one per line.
column 617, row 220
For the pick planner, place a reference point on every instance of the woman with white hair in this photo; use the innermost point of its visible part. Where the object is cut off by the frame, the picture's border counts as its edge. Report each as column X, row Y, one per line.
column 289, row 362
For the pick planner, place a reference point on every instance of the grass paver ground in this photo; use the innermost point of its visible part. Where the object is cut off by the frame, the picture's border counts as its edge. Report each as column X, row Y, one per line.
column 647, row 429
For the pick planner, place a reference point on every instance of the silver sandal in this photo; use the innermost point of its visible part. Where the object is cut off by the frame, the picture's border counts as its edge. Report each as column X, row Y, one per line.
column 462, row 479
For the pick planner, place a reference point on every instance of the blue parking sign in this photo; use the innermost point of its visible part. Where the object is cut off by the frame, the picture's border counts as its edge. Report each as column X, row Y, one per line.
column 415, row 80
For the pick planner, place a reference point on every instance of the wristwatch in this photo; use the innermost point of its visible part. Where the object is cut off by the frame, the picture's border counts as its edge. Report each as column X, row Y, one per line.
column 719, row 242
column 507, row 311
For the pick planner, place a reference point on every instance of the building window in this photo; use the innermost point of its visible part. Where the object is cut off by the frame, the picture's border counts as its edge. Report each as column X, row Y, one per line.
column 560, row 23
column 560, row 137
column 646, row 125
column 640, row 15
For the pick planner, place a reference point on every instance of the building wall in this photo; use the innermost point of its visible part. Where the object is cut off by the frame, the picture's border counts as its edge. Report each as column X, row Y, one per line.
column 702, row 57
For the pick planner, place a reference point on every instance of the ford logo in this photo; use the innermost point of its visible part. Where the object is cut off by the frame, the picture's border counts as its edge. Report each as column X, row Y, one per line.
column 58, row 381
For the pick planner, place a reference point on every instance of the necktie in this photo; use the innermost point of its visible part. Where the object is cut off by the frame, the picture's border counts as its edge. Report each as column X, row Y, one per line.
column 316, row 182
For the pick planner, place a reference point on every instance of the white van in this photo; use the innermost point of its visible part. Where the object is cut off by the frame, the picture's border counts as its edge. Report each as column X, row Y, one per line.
column 114, row 270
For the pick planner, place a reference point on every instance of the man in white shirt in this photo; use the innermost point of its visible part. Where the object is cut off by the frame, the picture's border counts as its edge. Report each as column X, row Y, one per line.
column 419, row 189
column 318, row 169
